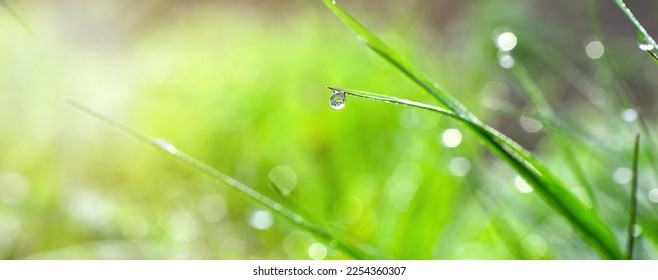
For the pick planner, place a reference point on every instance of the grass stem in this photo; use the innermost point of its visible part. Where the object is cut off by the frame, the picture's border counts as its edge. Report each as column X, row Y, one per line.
column 633, row 208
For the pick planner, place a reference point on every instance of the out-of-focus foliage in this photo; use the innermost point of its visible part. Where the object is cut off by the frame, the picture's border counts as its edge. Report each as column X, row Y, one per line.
column 241, row 87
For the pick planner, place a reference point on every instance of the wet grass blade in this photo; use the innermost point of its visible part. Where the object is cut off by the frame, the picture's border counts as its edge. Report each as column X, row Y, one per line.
column 585, row 222
column 13, row 13
column 633, row 210
column 589, row 227
column 278, row 209
column 645, row 40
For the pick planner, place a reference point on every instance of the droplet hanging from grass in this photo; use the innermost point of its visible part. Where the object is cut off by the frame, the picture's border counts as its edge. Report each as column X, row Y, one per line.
column 594, row 49
column 337, row 99
column 629, row 115
column 164, row 144
column 645, row 44
column 506, row 41
column 505, row 60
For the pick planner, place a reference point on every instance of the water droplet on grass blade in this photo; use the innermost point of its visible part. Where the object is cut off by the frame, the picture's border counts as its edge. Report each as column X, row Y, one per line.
column 337, row 99
column 451, row 138
column 646, row 45
column 629, row 115
column 530, row 125
column 637, row 230
column 505, row 60
column 459, row 166
column 506, row 41
column 622, row 175
column 317, row 251
column 261, row 220
column 653, row 195
column 594, row 49
column 166, row 146
column 522, row 185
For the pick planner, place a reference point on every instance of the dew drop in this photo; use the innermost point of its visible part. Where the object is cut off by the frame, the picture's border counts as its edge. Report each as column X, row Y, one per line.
column 333, row 2
column 530, row 125
column 261, row 220
column 534, row 246
column 166, row 146
column 337, row 99
column 521, row 185
column 637, row 230
column 646, row 45
column 451, row 138
column 506, row 41
column 594, row 49
column 653, row 195
column 505, row 60
column 629, row 115
column 622, row 175
column 317, row 251
column 284, row 178
column 460, row 166
column 213, row 207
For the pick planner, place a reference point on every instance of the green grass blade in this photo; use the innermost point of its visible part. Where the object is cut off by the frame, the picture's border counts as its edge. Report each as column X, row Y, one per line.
column 645, row 40
column 532, row 90
column 388, row 53
column 275, row 207
column 13, row 13
column 585, row 222
column 633, row 210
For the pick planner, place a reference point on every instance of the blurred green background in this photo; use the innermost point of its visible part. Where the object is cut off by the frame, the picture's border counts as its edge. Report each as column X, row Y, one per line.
column 240, row 85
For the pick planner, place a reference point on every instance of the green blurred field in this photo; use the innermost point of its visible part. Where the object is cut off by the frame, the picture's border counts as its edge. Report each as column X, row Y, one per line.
column 241, row 86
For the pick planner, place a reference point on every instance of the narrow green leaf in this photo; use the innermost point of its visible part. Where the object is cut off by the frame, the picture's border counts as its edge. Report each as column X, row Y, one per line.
column 278, row 209
column 584, row 221
column 590, row 228
column 13, row 13
column 633, row 209
column 644, row 40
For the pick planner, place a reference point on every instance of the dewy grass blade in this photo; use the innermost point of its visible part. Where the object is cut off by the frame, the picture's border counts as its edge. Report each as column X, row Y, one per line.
column 275, row 207
column 645, row 41
column 633, row 210
column 13, row 13
column 584, row 221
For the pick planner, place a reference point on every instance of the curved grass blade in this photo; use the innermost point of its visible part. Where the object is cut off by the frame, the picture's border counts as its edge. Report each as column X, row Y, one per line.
column 13, row 13
column 584, row 221
column 275, row 207
column 633, row 210
column 645, row 41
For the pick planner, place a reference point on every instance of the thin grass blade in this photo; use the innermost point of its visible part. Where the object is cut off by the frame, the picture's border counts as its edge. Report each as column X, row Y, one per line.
column 278, row 209
column 633, row 210
column 13, row 13
column 585, row 222
column 645, row 41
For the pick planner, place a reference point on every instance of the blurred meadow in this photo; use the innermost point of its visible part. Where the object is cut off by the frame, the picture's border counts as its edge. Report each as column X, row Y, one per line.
column 240, row 85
